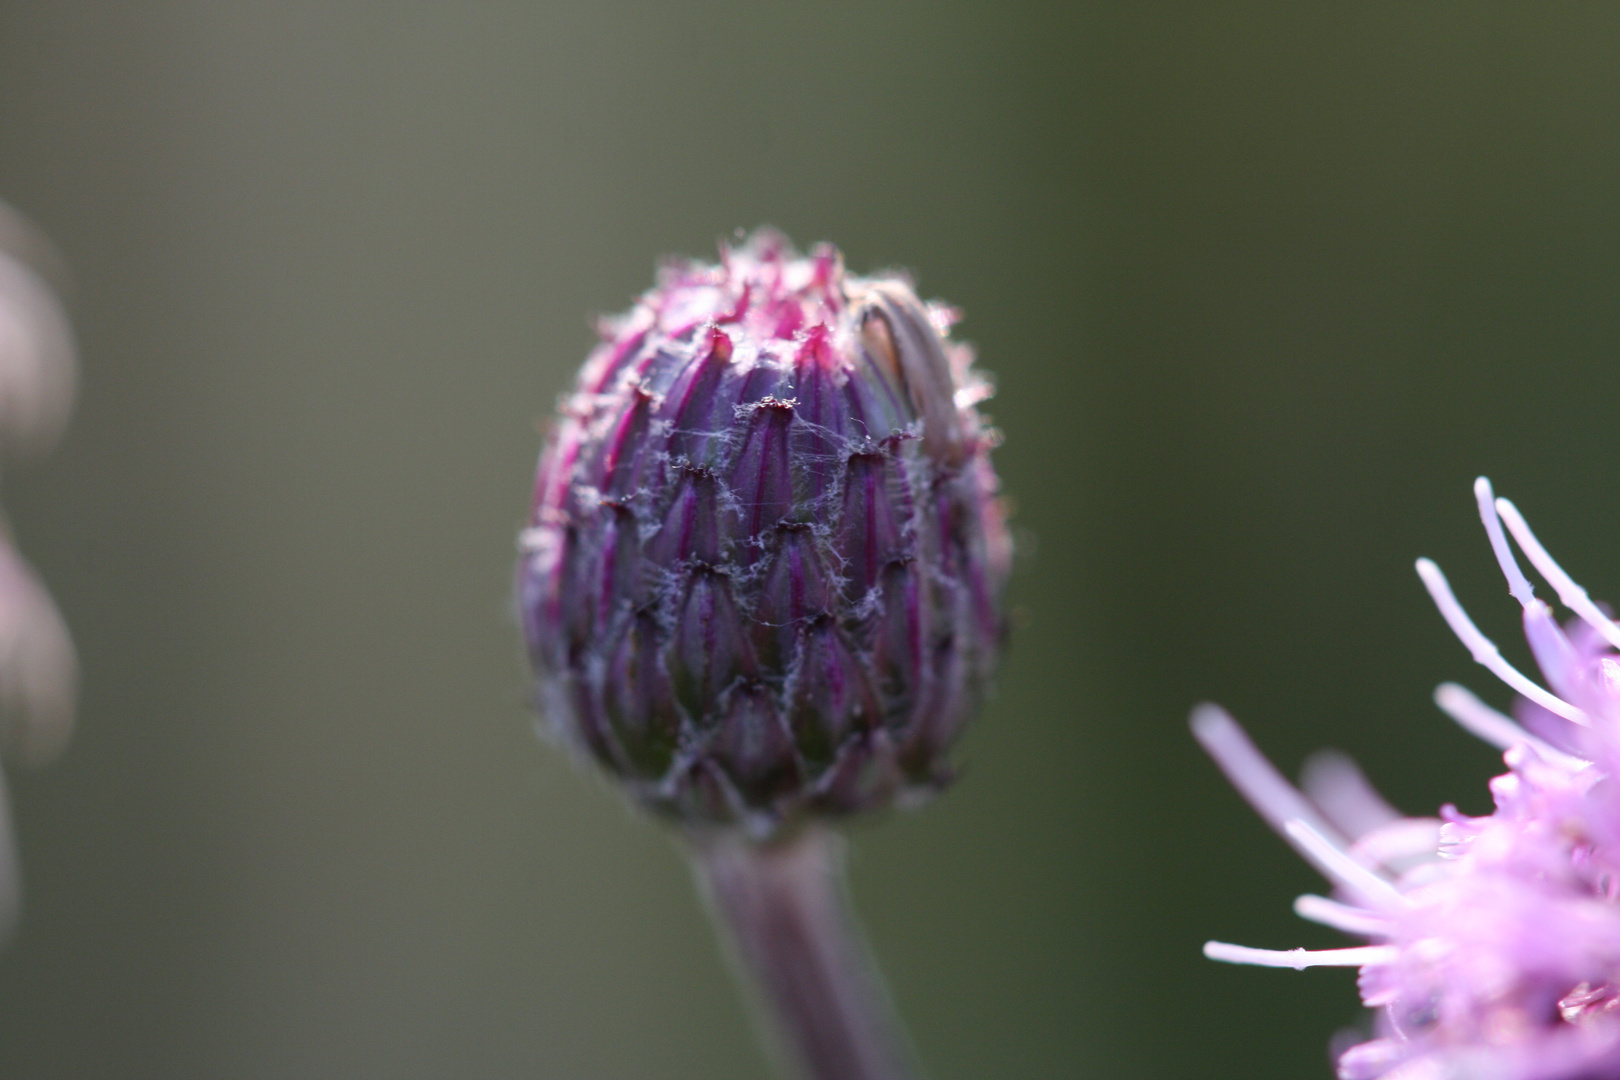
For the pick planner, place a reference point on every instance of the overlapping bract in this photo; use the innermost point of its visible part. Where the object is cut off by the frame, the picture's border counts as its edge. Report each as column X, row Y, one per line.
column 762, row 574
column 1495, row 940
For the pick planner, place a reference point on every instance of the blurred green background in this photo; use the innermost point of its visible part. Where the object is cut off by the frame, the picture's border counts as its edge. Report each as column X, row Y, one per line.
column 1265, row 287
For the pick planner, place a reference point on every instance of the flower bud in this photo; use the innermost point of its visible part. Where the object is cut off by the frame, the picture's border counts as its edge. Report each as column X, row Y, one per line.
column 761, row 577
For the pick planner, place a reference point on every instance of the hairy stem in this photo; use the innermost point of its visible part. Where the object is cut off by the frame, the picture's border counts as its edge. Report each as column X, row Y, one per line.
column 783, row 912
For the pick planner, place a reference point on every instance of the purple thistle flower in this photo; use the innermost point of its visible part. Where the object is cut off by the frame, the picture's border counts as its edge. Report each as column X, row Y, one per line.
column 1493, row 943
column 761, row 576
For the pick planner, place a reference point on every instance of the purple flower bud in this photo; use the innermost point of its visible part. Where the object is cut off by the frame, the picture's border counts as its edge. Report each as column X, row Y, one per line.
column 761, row 578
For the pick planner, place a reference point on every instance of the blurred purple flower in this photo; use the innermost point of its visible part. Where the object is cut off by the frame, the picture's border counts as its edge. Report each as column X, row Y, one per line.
column 762, row 572
column 1493, row 942
column 38, row 667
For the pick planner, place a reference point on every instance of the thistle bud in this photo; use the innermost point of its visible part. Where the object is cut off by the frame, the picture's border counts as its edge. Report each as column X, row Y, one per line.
column 762, row 573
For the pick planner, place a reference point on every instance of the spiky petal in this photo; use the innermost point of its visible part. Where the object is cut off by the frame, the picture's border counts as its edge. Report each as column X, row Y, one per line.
column 1495, row 940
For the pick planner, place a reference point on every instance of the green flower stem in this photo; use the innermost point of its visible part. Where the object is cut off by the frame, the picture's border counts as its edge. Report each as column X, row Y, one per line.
column 783, row 912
